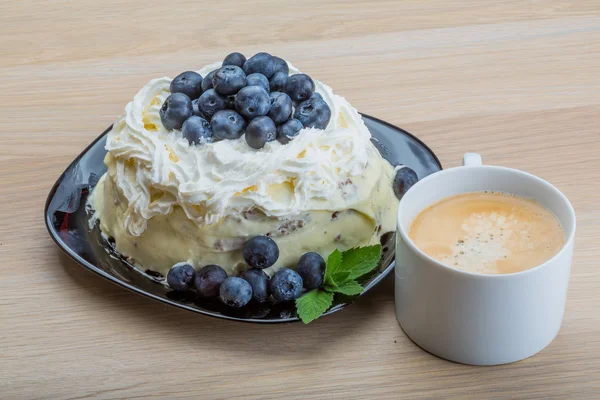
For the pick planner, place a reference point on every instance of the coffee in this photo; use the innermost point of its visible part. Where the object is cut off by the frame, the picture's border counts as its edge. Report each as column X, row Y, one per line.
column 488, row 232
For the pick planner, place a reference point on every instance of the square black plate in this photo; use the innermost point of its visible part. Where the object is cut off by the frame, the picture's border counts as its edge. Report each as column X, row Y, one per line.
column 68, row 223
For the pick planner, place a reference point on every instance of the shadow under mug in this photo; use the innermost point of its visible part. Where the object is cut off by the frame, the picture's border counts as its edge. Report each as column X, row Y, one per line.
column 472, row 318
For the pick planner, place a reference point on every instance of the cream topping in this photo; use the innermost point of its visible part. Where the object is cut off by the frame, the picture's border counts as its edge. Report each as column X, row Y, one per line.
column 157, row 169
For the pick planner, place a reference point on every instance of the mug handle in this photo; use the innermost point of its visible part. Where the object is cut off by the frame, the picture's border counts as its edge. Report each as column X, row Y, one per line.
column 471, row 159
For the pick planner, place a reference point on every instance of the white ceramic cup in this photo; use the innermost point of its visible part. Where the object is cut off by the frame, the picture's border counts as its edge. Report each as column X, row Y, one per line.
column 472, row 318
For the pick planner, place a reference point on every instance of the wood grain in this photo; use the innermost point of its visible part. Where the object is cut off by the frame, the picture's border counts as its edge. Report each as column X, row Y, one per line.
column 517, row 81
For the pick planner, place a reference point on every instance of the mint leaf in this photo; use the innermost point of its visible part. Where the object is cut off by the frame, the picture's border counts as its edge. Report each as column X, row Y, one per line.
column 312, row 304
column 349, row 288
column 341, row 272
column 358, row 262
column 332, row 265
column 334, row 261
column 334, row 281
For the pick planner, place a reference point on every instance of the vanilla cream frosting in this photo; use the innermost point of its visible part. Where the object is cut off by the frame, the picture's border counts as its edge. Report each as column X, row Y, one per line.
column 158, row 169
column 159, row 186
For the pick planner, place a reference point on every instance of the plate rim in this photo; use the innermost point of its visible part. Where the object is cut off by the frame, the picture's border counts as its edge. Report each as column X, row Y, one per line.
column 94, row 269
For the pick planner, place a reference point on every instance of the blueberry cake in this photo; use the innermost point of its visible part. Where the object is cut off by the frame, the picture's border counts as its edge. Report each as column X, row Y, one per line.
column 199, row 164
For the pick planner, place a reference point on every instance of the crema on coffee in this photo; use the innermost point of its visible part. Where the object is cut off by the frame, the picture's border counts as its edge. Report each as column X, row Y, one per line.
column 488, row 232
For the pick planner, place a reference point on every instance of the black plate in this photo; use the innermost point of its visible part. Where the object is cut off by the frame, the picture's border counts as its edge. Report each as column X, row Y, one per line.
column 67, row 221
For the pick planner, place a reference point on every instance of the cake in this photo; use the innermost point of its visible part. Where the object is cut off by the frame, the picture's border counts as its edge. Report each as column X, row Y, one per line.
column 168, row 198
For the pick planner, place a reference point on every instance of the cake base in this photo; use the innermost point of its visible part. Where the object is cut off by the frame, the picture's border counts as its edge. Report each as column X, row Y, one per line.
column 172, row 238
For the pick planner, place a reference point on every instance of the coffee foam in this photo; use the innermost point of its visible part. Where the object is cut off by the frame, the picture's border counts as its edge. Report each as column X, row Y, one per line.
column 488, row 233
column 487, row 239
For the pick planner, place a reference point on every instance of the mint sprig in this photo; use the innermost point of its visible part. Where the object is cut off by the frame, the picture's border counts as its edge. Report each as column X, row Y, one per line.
column 333, row 264
column 312, row 304
column 349, row 288
column 359, row 261
column 342, row 269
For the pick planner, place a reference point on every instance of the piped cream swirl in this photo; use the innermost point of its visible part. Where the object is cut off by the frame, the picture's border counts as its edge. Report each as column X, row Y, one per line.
column 157, row 169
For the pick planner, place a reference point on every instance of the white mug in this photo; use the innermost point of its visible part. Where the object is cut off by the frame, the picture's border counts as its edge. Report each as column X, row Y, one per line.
column 472, row 318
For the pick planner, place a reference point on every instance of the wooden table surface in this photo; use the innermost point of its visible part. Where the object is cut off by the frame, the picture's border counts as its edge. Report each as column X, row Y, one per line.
column 517, row 81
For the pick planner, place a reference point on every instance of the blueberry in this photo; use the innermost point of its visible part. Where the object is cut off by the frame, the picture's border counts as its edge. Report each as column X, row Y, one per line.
column 180, row 276
column 195, row 110
column 260, row 252
column 311, row 268
column 227, row 124
column 277, row 81
column 197, row 130
column 229, row 80
column 210, row 102
column 252, row 102
column 404, row 179
column 231, row 101
column 313, row 113
column 286, row 285
column 281, row 107
column 175, row 110
column 299, row 87
column 207, row 82
column 235, row 292
column 259, row 282
column 237, row 59
column 257, row 79
column 209, row 279
column 316, row 95
column 188, row 83
column 288, row 130
column 283, row 310
column 261, row 63
column 279, row 65
column 260, row 131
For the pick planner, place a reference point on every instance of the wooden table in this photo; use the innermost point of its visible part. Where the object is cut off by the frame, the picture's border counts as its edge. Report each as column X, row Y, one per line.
column 516, row 81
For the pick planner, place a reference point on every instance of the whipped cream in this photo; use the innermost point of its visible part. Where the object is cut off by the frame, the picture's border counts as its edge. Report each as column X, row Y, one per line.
column 157, row 169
